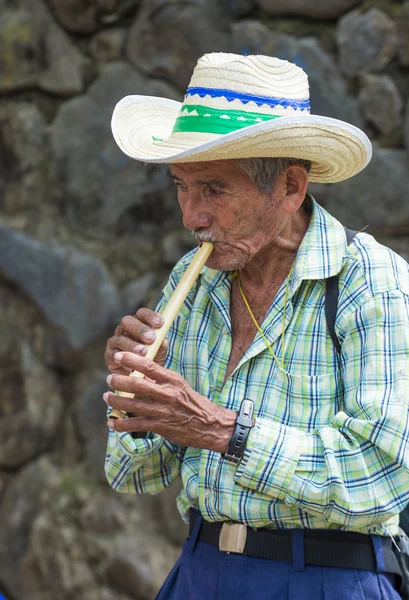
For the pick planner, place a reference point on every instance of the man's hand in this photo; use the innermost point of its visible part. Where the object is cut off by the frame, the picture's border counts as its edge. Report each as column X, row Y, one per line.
column 134, row 334
column 165, row 404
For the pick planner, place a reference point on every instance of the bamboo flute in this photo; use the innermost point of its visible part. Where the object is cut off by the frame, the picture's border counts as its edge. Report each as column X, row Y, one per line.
column 171, row 310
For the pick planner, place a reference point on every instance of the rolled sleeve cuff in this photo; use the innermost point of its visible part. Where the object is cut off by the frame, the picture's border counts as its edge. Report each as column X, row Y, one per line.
column 139, row 448
column 271, row 456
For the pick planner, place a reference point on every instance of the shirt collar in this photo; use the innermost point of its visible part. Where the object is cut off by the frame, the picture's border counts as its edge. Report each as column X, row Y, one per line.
column 321, row 253
column 324, row 247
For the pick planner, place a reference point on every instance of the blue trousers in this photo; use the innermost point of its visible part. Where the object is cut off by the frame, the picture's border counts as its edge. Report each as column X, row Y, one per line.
column 204, row 573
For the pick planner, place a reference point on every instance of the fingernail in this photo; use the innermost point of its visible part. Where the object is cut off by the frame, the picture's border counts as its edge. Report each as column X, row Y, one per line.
column 118, row 356
column 157, row 321
column 139, row 348
column 109, row 379
column 105, row 397
column 110, row 423
column 149, row 335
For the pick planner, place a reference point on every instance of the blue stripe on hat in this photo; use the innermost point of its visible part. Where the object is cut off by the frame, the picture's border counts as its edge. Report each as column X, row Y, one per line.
column 231, row 95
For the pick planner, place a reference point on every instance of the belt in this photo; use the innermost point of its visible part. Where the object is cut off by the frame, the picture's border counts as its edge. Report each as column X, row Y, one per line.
column 322, row 547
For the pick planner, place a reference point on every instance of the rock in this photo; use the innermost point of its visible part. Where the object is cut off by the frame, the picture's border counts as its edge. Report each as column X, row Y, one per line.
column 374, row 196
column 403, row 38
column 381, row 102
column 72, row 290
column 313, row 10
column 329, row 95
column 129, row 568
column 3, row 480
column 366, row 41
column 103, row 514
column 94, row 181
column 84, row 17
column 18, row 510
column 135, row 294
column 89, row 411
column 56, row 563
column 139, row 560
column 175, row 245
column 165, row 504
column 239, row 8
column 21, row 323
column 24, row 157
column 154, row 47
column 36, row 53
column 406, row 126
column 107, row 45
column 76, row 15
column 253, row 37
column 31, row 428
column 89, row 542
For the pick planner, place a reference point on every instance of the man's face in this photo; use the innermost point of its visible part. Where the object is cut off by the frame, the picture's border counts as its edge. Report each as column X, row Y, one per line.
column 220, row 204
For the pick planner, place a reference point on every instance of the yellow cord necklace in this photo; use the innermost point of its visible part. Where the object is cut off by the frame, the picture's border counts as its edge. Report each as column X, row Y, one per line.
column 237, row 274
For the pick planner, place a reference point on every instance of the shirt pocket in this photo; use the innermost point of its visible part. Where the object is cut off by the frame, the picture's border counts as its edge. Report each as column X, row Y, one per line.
column 306, row 402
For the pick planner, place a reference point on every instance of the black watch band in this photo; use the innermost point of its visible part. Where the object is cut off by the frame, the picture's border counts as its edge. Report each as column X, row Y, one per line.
column 244, row 423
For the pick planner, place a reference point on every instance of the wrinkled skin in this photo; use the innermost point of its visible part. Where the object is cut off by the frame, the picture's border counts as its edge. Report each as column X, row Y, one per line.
column 164, row 402
column 256, row 233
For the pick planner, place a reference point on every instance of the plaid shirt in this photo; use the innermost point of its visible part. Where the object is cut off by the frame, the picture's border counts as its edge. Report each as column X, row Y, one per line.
column 330, row 445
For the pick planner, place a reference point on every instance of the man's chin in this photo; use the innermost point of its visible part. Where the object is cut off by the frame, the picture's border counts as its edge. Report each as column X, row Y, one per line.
column 223, row 259
column 223, row 263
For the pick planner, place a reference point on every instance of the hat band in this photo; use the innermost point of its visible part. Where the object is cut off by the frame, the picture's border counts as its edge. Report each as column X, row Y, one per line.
column 213, row 120
column 230, row 95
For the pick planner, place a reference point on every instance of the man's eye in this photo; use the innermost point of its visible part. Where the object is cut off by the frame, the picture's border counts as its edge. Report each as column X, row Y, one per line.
column 180, row 186
column 214, row 192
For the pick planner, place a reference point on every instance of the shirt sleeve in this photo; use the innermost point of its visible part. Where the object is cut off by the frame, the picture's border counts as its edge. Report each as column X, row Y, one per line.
column 141, row 466
column 354, row 472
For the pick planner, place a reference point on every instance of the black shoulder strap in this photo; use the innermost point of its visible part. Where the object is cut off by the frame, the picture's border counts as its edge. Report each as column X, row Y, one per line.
column 331, row 298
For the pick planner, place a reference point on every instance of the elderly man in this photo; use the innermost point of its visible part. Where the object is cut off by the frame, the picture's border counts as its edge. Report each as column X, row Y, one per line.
column 291, row 440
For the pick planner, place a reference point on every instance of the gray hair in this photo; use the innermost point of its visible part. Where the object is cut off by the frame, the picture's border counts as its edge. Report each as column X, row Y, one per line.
column 264, row 171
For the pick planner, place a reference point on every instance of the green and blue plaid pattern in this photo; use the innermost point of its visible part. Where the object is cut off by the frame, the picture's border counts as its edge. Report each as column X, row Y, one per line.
column 330, row 445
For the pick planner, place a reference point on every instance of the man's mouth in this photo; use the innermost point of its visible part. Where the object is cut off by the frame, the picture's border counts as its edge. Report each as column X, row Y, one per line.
column 204, row 236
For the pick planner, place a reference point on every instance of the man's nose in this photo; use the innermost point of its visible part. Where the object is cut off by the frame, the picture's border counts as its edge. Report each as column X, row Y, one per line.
column 195, row 213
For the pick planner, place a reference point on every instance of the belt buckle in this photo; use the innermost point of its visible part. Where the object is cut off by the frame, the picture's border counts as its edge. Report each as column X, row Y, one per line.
column 233, row 537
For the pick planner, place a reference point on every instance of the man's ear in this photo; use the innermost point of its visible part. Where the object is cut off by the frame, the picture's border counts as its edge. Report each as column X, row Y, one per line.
column 296, row 187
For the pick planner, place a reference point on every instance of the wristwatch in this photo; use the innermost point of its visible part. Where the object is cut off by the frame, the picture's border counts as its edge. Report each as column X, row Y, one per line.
column 244, row 423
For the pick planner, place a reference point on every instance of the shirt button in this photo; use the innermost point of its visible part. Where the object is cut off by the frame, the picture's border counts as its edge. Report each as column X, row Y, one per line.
column 207, row 493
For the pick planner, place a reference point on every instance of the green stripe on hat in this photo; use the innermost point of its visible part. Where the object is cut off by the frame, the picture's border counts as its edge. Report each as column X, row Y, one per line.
column 214, row 120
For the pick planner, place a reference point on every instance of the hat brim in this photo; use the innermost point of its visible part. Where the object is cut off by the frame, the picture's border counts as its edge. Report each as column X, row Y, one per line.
column 142, row 128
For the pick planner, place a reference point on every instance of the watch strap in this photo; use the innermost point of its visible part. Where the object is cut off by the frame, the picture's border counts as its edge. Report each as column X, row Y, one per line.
column 243, row 425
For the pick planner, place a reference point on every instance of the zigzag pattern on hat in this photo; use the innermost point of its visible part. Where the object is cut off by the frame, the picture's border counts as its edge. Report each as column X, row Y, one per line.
column 231, row 95
column 195, row 117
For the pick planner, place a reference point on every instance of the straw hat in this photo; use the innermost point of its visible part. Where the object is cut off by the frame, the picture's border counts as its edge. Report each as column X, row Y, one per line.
column 240, row 107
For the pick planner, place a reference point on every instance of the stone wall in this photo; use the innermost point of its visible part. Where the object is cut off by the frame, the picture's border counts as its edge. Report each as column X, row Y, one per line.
column 87, row 235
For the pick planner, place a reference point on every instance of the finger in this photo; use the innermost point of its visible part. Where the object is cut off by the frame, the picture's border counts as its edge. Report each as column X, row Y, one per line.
column 137, row 330
column 150, row 317
column 140, row 388
column 115, row 370
column 126, row 344
column 139, row 408
column 121, row 402
column 131, row 424
column 147, row 367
